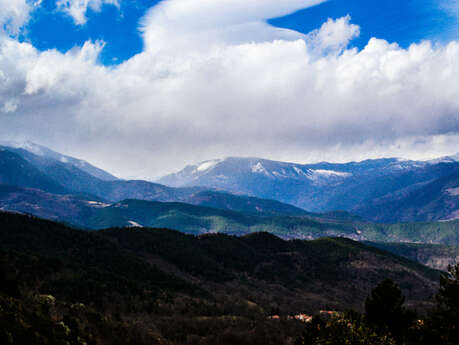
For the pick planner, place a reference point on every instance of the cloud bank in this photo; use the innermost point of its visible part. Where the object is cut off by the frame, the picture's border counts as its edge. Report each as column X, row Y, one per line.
column 215, row 80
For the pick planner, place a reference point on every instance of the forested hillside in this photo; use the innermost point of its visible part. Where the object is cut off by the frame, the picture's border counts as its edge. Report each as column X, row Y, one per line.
column 181, row 289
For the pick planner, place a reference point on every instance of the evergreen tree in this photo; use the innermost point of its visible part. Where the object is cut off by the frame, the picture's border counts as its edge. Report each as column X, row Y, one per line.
column 443, row 324
column 384, row 310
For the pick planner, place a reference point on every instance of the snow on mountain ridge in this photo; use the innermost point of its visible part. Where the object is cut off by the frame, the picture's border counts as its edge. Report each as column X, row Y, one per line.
column 328, row 173
column 259, row 168
column 446, row 159
column 44, row 152
column 207, row 165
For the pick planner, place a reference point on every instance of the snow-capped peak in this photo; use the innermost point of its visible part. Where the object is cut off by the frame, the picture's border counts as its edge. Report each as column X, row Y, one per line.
column 26, row 145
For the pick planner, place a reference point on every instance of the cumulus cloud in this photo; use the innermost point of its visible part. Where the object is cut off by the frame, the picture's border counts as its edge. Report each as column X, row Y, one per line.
column 333, row 37
column 216, row 80
column 77, row 8
column 14, row 14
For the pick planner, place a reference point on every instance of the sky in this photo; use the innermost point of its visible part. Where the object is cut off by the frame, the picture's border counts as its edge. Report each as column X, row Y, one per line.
column 144, row 87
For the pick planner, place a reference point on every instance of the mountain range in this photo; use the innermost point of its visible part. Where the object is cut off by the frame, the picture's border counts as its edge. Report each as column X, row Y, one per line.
column 45, row 170
column 324, row 187
column 241, row 196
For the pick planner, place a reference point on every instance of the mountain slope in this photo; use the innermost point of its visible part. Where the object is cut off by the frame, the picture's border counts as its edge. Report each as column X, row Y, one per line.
column 43, row 157
column 14, row 170
column 317, row 187
column 433, row 255
column 58, row 207
column 93, row 213
column 241, row 203
column 436, row 200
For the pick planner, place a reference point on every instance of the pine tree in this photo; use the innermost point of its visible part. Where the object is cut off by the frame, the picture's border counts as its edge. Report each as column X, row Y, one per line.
column 384, row 310
column 443, row 325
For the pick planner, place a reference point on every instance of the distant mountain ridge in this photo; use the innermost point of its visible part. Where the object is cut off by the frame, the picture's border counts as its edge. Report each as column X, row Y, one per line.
column 23, row 168
column 319, row 187
column 15, row 170
column 44, row 156
column 382, row 190
column 434, row 200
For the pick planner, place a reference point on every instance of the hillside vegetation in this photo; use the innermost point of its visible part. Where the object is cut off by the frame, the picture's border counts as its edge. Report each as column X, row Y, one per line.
column 432, row 255
column 163, row 286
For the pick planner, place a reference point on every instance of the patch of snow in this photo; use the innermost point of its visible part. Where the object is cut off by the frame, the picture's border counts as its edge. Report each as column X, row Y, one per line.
column 452, row 217
column 64, row 159
column 275, row 173
column 446, row 159
column 331, row 173
column 453, row 191
column 31, row 147
column 299, row 171
column 259, row 168
column 406, row 165
column 98, row 204
column 26, row 145
column 207, row 165
column 134, row 224
column 319, row 175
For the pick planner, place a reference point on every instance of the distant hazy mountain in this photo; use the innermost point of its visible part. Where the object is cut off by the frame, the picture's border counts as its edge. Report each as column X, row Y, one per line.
column 45, row 157
column 317, row 187
column 382, row 190
column 434, row 200
column 15, row 170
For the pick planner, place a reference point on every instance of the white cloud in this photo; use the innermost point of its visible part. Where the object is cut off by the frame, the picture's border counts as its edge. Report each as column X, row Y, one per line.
column 190, row 25
column 334, row 36
column 77, row 8
column 216, row 80
column 15, row 13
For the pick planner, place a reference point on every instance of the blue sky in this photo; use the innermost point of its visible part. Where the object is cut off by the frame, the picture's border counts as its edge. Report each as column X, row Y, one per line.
column 401, row 21
column 118, row 27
